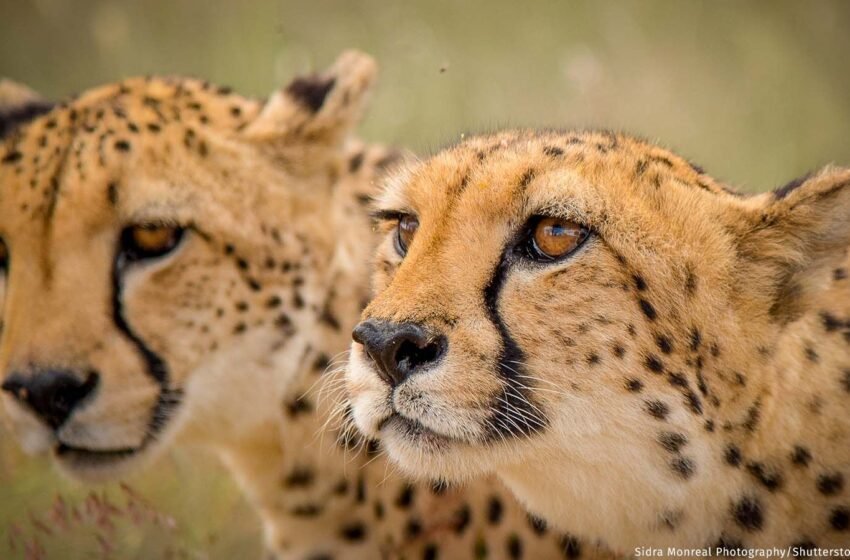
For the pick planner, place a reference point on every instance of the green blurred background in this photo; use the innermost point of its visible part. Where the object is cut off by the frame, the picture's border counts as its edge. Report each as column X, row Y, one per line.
column 755, row 92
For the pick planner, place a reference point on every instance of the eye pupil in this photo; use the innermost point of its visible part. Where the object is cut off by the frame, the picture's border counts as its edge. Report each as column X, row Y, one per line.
column 406, row 230
column 4, row 255
column 147, row 241
column 553, row 238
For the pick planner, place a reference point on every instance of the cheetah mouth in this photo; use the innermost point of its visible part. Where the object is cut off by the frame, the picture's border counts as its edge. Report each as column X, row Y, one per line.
column 414, row 430
column 83, row 457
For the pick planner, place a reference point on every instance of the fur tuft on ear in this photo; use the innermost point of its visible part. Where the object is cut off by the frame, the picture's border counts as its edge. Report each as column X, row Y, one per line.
column 800, row 229
column 321, row 108
column 19, row 105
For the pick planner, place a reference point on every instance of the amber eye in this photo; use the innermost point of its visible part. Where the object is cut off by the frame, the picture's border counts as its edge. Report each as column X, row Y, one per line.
column 148, row 241
column 4, row 255
column 406, row 229
column 553, row 238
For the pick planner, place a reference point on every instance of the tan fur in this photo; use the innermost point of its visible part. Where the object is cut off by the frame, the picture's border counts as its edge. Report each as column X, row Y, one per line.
column 246, row 314
column 682, row 379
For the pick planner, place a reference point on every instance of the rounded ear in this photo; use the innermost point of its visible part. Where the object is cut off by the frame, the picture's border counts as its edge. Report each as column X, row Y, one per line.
column 18, row 105
column 801, row 228
column 318, row 109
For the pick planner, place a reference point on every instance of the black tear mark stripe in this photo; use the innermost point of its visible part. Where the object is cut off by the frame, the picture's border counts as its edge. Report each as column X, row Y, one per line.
column 168, row 398
column 514, row 412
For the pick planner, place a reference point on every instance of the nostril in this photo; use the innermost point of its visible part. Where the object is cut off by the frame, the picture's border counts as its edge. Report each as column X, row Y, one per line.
column 413, row 355
column 398, row 349
column 51, row 394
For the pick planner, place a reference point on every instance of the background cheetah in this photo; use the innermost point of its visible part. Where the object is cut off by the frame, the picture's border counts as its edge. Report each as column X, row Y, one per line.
column 644, row 356
column 181, row 263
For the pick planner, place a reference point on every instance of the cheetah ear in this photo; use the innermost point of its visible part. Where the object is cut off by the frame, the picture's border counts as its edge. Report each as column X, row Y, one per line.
column 800, row 228
column 318, row 109
column 18, row 105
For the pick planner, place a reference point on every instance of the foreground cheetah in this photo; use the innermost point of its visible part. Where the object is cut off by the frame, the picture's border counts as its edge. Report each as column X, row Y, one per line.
column 181, row 264
column 642, row 355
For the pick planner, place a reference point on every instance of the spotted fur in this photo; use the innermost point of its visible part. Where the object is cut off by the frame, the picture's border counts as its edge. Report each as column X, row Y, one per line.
column 224, row 341
column 679, row 379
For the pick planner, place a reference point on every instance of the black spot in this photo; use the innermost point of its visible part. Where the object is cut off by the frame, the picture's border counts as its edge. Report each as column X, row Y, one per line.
column 676, row 379
column 537, row 524
column 494, row 510
column 300, row 477
column 306, row 510
column 747, row 513
column 431, row 552
column 693, row 402
column 664, row 343
column 811, row 355
column 683, row 466
column 657, row 409
column 122, row 145
column 112, row 194
column 298, row 406
column 462, row 518
column 672, row 441
column 618, row 350
column 379, row 510
column 696, row 339
column 413, row 528
column 570, row 546
column 311, row 91
column 514, row 546
column 839, row 274
column 553, row 151
column 360, row 495
column 640, row 284
column 634, row 385
column 355, row 162
column 753, row 415
column 322, row 362
column 12, row 157
column 830, row 484
column 830, row 322
column 845, row 379
column 691, row 283
column 593, row 359
column 800, row 456
column 709, row 425
column 526, row 178
column 405, row 497
column 732, row 455
column 839, row 519
column 355, row 532
column 647, row 309
column 769, row 478
column 654, row 364
column 273, row 302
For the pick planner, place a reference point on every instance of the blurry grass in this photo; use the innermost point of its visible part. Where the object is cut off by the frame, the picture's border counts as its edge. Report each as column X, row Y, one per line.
column 757, row 92
column 182, row 506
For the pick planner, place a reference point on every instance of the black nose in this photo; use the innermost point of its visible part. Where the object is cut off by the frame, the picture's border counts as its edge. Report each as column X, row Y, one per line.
column 399, row 349
column 52, row 394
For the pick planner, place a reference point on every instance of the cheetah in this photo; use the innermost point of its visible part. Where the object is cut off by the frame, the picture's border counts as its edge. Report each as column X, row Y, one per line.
column 181, row 265
column 643, row 355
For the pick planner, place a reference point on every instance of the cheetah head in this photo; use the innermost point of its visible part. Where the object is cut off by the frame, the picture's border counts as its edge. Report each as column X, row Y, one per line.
column 543, row 293
column 164, row 249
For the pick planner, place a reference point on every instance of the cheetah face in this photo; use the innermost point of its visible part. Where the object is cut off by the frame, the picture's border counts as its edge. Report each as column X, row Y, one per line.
column 160, row 260
column 537, row 293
